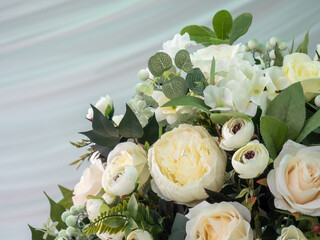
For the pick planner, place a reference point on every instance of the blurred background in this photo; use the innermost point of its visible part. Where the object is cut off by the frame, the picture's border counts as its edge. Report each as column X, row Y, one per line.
column 58, row 56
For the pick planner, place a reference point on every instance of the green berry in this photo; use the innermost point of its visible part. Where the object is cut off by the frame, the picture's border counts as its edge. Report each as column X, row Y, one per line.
column 63, row 233
column 73, row 232
column 143, row 75
column 65, row 215
column 71, row 221
column 253, row 44
column 74, row 210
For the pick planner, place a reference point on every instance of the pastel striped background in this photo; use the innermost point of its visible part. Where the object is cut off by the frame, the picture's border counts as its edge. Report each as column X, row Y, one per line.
column 57, row 56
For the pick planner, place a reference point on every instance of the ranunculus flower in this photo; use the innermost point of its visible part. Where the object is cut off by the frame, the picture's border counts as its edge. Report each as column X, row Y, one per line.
column 90, row 182
column 139, row 234
column 185, row 161
column 178, row 43
column 277, row 81
column 236, row 133
column 290, row 233
column 104, row 105
column 295, row 180
column 298, row 67
column 251, row 160
column 120, row 168
column 219, row 221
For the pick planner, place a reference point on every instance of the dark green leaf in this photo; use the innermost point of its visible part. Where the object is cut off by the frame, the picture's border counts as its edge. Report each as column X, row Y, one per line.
column 130, row 127
column 133, row 207
column 274, row 133
column 240, row 26
column 55, row 213
column 150, row 131
column 269, row 233
column 289, row 107
column 221, row 118
column 196, row 81
column 159, row 63
column 222, row 24
column 303, row 47
column 188, row 101
column 279, row 58
column 213, row 70
column 216, row 196
column 178, row 231
column 182, row 60
column 311, row 124
column 199, row 34
column 101, row 139
column 174, row 88
column 66, row 202
column 36, row 234
column 103, row 150
column 102, row 125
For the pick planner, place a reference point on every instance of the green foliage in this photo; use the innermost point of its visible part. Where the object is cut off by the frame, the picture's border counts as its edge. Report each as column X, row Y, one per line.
column 213, row 70
column 67, row 194
column 274, row 133
column 311, row 124
column 38, row 234
column 188, row 101
column 178, row 230
column 303, row 47
column 159, row 63
column 289, row 107
column 150, row 131
column 103, row 131
column 279, row 58
column 221, row 118
column 82, row 158
column 130, row 127
column 56, row 210
column 200, row 34
column 222, row 24
column 182, row 61
column 196, row 81
column 240, row 26
column 292, row 45
column 175, row 87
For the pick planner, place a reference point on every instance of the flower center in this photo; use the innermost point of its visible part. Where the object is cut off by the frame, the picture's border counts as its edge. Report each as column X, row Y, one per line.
column 236, row 128
column 249, row 154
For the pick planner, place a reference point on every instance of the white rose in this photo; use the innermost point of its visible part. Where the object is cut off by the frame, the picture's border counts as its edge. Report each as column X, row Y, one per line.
column 170, row 114
column 139, row 234
column 104, row 105
column 125, row 163
column 220, row 221
column 93, row 208
column 295, row 180
column 117, row 119
column 185, row 161
column 178, row 43
column 236, row 132
column 291, row 232
column 251, row 160
column 90, row 183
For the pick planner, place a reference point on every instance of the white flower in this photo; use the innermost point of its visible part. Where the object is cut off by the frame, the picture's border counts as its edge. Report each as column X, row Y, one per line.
column 125, row 162
column 178, row 43
column 277, row 81
column 219, row 221
column 109, row 198
column 290, row 233
column 141, row 110
column 90, row 183
column 251, row 160
column 104, row 105
column 170, row 114
column 185, row 161
column 117, row 119
column 139, row 234
column 295, row 180
column 236, row 132
column 93, row 208
column 218, row 98
column 107, row 236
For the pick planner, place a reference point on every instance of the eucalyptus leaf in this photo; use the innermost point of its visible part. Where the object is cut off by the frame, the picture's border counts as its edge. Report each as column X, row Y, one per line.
column 56, row 210
column 222, row 24
column 241, row 24
column 130, row 127
column 196, row 81
column 178, row 230
column 159, row 63
column 303, row 47
column 188, row 101
column 311, row 124
column 174, row 88
column 182, row 61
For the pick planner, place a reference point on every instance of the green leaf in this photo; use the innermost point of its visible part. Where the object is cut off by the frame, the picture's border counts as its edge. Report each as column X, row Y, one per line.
column 66, row 202
column 240, row 26
column 159, row 63
column 292, row 45
column 209, row 31
column 182, row 60
column 289, row 107
column 279, row 58
column 178, row 230
column 311, row 124
column 221, row 118
column 174, row 88
column 150, row 131
column 188, row 101
column 274, row 134
column 36, row 234
column 303, row 47
column 130, row 127
column 199, row 34
column 222, row 24
column 213, row 70
column 55, row 213
column 133, row 207
column 196, row 81
column 103, row 150
column 114, row 221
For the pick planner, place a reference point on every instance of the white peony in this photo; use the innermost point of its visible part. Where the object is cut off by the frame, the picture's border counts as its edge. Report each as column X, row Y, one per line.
column 277, row 82
column 290, row 233
column 185, row 161
column 251, row 160
column 219, row 221
column 236, row 132
column 295, row 180
column 178, row 43
column 139, row 234
column 104, row 105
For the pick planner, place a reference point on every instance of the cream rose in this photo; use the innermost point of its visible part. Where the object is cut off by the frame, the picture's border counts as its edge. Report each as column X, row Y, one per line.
column 139, row 234
column 90, row 182
column 185, row 161
column 298, row 67
column 251, row 160
column 220, row 221
column 291, row 232
column 125, row 163
column 104, row 105
column 236, row 132
column 295, row 180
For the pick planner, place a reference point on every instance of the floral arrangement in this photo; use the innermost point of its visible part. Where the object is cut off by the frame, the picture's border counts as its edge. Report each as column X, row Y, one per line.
column 220, row 141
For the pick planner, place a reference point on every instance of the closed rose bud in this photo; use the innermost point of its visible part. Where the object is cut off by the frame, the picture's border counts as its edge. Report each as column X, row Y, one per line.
column 317, row 101
column 104, row 105
column 251, row 160
column 139, row 234
column 274, row 41
column 253, row 44
column 236, row 133
column 291, row 232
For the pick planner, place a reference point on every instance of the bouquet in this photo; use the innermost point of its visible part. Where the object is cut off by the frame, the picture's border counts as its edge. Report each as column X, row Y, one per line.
column 220, row 141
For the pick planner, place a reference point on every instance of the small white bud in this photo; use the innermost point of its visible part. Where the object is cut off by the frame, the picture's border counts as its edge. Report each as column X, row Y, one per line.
column 247, row 47
column 143, row 74
column 262, row 48
column 317, row 101
column 269, row 46
column 283, row 46
column 274, row 41
column 139, row 234
column 253, row 44
column 272, row 55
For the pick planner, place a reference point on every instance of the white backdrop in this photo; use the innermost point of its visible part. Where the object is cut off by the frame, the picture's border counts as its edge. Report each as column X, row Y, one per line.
column 57, row 56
